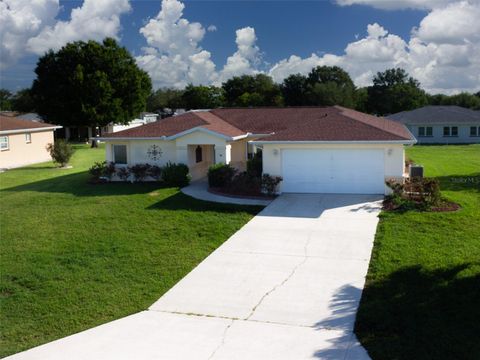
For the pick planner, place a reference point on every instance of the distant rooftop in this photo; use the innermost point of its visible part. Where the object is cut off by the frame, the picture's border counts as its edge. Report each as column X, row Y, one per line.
column 438, row 115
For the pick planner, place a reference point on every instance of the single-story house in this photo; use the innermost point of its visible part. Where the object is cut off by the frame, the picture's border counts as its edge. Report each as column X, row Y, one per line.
column 442, row 124
column 111, row 128
column 24, row 142
column 315, row 149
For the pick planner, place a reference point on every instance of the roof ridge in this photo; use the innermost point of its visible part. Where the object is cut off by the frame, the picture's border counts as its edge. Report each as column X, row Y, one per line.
column 380, row 119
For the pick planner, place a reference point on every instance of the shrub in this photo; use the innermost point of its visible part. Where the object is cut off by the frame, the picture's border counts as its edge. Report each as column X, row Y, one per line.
column 255, row 164
column 139, row 171
column 60, row 151
column 123, row 173
column 244, row 183
column 270, row 183
column 109, row 170
column 176, row 174
column 420, row 193
column 220, row 175
column 155, row 172
column 98, row 169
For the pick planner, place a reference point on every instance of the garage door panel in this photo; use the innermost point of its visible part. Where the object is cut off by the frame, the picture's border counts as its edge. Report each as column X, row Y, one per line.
column 333, row 171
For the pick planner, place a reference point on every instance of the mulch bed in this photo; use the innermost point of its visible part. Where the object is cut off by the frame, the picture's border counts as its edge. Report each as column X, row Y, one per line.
column 234, row 194
column 443, row 206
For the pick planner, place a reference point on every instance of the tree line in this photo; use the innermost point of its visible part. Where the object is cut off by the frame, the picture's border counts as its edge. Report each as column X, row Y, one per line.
column 93, row 84
column 392, row 91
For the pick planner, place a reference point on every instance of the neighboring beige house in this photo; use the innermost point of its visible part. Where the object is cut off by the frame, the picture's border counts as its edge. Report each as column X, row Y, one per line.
column 24, row 142
column 314, row 149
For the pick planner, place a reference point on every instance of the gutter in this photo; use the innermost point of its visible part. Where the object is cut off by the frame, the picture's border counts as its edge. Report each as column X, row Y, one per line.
column 285, row 142
column 20, row 131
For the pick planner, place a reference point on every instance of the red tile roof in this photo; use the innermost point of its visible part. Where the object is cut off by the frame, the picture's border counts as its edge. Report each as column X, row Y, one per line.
column 332, row 123
column 12, row 123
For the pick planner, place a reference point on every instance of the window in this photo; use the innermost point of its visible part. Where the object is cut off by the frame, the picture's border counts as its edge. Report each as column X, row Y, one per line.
column 4, row 143
column 120, row 154
column 474, row 131
column 425, row 131
column 28, row 138
column 198, row 154
column 450, row 131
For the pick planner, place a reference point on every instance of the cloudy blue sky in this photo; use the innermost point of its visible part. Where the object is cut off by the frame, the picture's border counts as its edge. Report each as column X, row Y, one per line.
column 205, row 42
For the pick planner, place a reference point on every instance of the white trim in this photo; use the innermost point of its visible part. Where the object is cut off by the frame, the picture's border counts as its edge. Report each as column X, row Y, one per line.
column 201, row 129
column 336, row 142
column 128, row 138
column 20, row 131
column 173, row 137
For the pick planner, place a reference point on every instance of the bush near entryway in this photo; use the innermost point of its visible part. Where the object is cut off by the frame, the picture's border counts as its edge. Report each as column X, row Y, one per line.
column 176, row 174
column 220, row 175
column 255, row 164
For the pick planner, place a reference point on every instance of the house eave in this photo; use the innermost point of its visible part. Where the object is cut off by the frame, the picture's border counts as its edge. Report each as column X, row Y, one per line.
column 31, row 130
column 287, row 142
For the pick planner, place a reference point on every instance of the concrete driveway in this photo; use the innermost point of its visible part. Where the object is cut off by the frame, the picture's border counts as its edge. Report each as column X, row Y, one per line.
column 285, row 286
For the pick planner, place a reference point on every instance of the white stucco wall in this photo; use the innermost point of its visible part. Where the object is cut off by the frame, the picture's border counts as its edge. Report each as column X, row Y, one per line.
column 137, row 151
column 394, row 156
column 438, row 138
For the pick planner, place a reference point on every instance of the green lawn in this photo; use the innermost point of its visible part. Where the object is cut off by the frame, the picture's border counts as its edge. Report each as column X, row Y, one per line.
column 422, row 298
column 75, row 255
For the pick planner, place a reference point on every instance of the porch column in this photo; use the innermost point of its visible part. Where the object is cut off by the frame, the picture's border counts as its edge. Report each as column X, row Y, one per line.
column 223, row 153
column 67, row 133
column 182, row 155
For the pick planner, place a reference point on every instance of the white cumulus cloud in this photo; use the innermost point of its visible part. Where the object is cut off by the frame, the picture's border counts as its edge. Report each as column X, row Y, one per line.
column 21, row 20
column 246, row 59
column 443, row 52
column 175, row 57
column 94, row 20
column 397, row 4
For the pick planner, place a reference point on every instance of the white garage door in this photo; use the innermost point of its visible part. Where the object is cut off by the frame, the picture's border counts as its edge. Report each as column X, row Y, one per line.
column 358, row 171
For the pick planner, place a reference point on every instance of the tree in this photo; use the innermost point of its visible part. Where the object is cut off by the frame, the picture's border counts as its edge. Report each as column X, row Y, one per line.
column 393, row 91
column 60, row 151
column 90, row 84
column 5, row 99
column 464, row 99
column 330, row 85
column 361, row 99
column 252, row 90
column 23, row 101
column 294, row 90
column 202, row 97
column 165, row 98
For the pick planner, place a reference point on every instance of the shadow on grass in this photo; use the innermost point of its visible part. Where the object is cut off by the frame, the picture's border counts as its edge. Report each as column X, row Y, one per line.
column 460, row 182
column 180, row 201
column 77, row 184
column 420, row 314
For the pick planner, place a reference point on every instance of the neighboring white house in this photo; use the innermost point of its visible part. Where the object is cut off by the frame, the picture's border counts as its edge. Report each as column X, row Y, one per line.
column 314, row 149
column 145, row 119
column 442, row 124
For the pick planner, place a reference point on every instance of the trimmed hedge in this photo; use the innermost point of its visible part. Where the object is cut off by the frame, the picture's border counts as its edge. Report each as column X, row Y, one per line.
column 220, row 175
column 176, row 174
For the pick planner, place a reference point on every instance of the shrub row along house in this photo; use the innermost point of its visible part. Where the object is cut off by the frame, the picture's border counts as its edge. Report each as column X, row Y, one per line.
column 24, row 142
column 442, row 124
column 314, row 149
